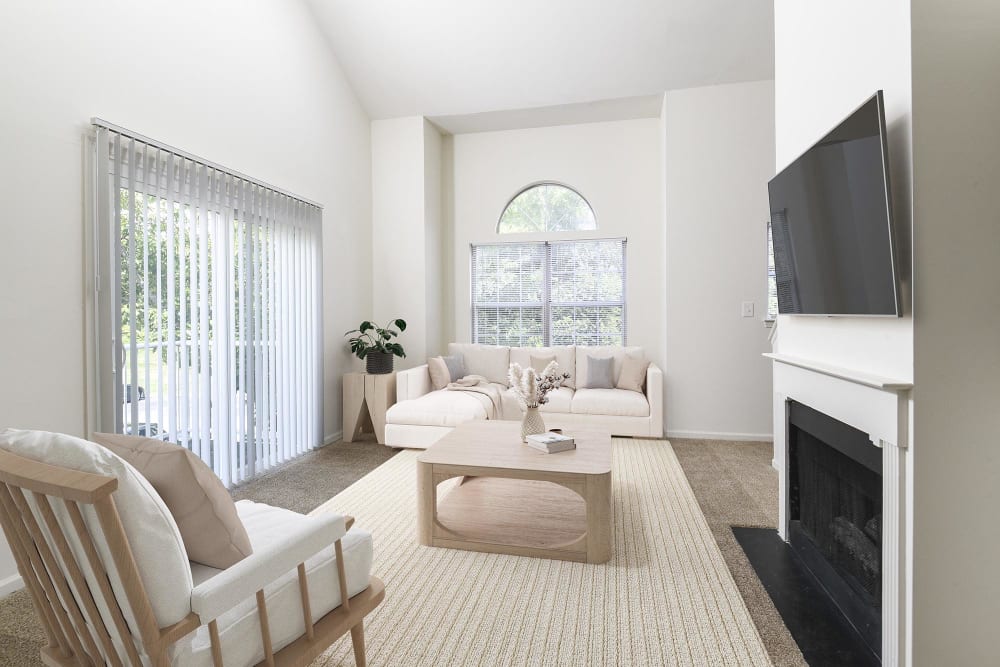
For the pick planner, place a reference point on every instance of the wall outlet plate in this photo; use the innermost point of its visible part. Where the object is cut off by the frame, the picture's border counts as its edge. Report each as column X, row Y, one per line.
column 747, row 309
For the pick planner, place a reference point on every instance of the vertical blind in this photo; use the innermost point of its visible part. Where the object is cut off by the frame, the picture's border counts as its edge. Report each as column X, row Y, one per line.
column 549, row 293
column 209, row 320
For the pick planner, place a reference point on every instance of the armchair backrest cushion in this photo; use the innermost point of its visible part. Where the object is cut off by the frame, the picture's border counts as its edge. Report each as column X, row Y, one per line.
column 617, row 352
column 490, row 361
column 152, row 534
column 197, row 499
column 565, row 356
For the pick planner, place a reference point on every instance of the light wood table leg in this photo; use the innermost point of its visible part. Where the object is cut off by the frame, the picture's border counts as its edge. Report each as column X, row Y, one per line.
column 355, row 408
column 426, row 503
column 598, row 497
column 380, row 394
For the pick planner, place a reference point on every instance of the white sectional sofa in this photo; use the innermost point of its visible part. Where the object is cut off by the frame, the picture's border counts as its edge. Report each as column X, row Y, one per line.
column 422, row 415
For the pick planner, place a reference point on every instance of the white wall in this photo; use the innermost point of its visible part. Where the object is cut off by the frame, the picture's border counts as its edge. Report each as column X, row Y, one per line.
column 956, row 431
column 615, row 166
column 719, row 155
column 407, row 233
column 829, row 58
column 818, row 82
column 251, row 85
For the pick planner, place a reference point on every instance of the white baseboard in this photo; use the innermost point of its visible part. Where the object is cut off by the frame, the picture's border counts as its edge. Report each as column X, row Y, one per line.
column 709, row 435
column 774, row 464
column 332, row 438
column 11, row 584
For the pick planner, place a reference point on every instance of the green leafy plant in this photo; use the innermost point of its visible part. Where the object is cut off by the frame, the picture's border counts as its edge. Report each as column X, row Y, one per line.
column 372, row 338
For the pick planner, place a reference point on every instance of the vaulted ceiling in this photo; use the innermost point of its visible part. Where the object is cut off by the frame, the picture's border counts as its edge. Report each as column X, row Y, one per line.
column 445, row 57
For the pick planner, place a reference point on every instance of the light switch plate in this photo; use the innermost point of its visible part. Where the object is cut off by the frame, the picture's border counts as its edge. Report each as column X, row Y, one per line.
column 748, row 309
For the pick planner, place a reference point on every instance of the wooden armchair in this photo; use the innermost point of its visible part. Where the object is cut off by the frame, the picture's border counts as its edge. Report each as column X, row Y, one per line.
column 90, row 593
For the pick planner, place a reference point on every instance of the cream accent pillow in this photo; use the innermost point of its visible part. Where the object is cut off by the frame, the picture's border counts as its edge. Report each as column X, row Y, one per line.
column 440, row 376
column 633, row 375
column 200, row 504
column 539, row 363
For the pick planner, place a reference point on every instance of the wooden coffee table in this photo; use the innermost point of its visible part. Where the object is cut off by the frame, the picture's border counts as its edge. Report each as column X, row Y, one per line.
column 513, row 499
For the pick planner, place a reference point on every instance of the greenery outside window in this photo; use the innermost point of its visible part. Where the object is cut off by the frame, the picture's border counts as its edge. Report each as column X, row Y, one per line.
column 547, row 207
column 549, row 293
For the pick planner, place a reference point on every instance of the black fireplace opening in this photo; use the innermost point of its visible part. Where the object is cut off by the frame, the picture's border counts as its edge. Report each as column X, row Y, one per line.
column 835, row 514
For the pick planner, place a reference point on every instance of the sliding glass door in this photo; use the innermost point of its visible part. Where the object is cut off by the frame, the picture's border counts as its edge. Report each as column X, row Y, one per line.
column 209, row 320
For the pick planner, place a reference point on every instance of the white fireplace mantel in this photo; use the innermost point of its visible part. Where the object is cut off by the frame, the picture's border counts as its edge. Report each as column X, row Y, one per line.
column 878, row 406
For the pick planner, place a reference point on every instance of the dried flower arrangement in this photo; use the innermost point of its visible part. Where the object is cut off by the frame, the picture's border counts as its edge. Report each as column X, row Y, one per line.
column 533, row 389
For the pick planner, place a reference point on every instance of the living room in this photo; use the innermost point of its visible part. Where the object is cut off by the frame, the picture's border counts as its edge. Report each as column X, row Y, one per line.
column 401, row 160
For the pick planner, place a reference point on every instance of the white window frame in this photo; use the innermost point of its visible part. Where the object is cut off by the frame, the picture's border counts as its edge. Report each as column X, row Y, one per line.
column 547, row 303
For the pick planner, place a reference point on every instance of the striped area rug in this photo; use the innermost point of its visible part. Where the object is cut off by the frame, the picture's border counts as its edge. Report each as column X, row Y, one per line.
column 665, row 598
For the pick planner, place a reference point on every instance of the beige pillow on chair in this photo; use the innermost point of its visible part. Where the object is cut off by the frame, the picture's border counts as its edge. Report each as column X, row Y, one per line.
column 199, row 502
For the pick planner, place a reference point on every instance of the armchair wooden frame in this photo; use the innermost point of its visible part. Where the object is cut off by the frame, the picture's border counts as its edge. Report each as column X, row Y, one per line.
column 67, row 606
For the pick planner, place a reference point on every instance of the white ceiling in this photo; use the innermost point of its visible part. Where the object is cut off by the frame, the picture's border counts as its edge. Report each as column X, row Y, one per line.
column 455, row 57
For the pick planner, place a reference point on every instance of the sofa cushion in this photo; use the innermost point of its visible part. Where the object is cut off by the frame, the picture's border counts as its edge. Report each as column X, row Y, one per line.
column 617, row 352
column 560, row 400
column 239, row 628
column 490, row 361
column 633, row 375
column 438, row 370
column 565, row 357
column 438, row 408
column 540, row 363
column 196, row 497
column 600, row 373
column 456, row 367
column 610, row 402
column 152, row 533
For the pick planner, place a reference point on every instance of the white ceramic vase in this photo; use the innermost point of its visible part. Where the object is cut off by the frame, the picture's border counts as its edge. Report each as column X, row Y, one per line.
column 531, row 424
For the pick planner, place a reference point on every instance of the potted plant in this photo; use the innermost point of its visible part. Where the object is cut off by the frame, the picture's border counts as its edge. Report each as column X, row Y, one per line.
column 375, row 345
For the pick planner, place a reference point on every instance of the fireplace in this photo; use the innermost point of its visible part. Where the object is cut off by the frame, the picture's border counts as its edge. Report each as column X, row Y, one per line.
column 835, row 514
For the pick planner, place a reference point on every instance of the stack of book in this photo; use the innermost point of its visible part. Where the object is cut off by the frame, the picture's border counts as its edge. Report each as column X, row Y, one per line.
column 550, row 443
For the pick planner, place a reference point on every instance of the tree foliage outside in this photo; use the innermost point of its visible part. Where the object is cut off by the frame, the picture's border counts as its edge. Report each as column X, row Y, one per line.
column 547, row 207
column 583, row 296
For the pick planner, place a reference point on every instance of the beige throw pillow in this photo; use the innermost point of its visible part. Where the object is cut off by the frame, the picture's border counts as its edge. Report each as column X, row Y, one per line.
column 539, row 363
column 440, row 376
column 200, row 504
column 633, row 375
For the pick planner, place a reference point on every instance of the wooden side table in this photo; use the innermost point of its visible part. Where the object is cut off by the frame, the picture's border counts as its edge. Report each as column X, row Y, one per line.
column 366, row 398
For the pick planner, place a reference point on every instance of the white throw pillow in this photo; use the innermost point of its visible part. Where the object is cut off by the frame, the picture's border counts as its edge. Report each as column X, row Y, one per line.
column 153, row 535
column 490, row 361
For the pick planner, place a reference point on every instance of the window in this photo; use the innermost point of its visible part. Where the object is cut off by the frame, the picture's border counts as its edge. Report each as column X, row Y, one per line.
column 772, row 282
column 549, row 293
column 546, row 207
column 208, row 307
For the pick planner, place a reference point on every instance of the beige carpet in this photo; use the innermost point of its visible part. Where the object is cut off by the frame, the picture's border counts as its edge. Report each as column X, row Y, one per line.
column 736, row 486
column 666, row 597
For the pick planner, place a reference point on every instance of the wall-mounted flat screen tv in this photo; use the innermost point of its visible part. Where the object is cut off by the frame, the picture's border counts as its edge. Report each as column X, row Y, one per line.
column 831, row 223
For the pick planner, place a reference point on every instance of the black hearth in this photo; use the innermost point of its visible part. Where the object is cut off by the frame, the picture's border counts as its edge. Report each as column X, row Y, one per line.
column 835, row 514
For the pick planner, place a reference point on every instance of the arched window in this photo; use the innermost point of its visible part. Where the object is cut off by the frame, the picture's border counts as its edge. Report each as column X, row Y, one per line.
column 546, row 207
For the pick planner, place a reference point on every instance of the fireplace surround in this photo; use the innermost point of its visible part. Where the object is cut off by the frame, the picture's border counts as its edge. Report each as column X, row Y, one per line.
column 878, row 407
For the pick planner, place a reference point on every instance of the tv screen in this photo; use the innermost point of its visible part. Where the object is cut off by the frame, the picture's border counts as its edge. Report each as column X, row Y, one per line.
column 831, row 223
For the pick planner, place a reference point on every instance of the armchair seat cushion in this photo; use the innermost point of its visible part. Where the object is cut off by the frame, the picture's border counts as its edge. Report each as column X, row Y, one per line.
column 611, row 402
column 239, row 628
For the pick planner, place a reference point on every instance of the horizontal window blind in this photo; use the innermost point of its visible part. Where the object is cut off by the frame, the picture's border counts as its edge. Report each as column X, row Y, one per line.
column 549, row 293
column 209, row 320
